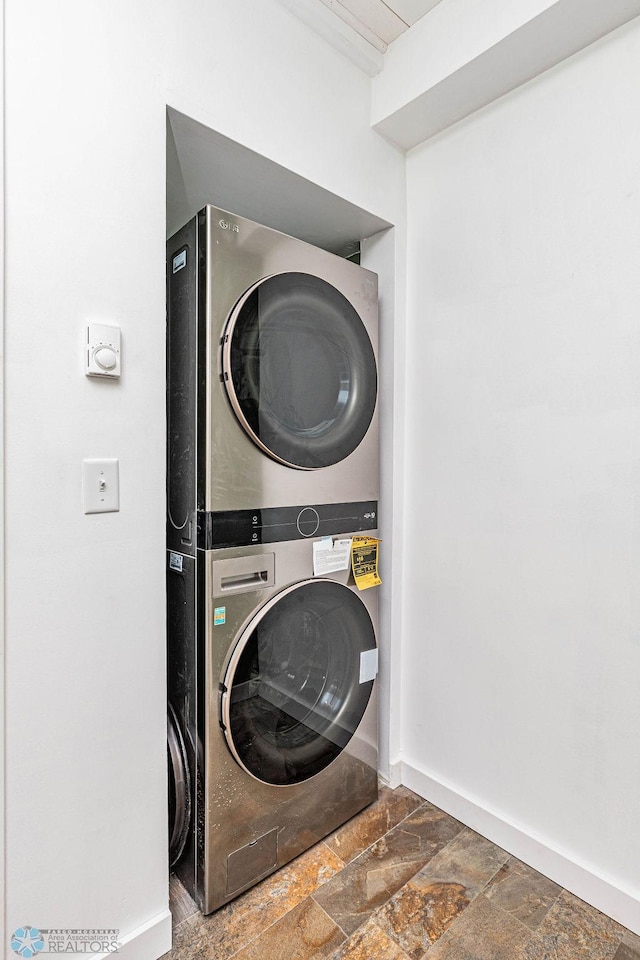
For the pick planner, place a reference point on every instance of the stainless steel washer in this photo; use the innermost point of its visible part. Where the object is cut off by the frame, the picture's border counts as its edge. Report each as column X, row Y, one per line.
column 277, row 702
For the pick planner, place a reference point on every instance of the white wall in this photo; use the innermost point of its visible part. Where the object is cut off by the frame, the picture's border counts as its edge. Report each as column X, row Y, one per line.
column 521, row 651
column 2, row 592
column 87, row 87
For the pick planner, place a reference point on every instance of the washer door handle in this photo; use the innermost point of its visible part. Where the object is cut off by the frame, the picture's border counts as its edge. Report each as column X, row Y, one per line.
column 242, row 574
column 245, row 581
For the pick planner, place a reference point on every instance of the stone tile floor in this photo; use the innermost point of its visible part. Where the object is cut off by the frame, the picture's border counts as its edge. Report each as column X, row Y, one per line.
column 401, row 881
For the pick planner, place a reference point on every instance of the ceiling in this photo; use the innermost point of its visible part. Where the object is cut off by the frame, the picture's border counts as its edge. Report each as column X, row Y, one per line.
column 380, row 22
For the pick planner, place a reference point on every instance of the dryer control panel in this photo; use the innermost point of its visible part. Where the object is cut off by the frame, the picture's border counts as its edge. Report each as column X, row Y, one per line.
column 241, row 528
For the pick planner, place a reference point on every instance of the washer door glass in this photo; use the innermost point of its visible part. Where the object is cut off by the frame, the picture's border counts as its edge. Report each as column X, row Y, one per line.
column 292, row 697
column 300, row 371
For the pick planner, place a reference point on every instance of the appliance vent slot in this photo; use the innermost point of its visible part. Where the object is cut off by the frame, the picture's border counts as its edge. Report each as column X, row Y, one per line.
column 250, row 863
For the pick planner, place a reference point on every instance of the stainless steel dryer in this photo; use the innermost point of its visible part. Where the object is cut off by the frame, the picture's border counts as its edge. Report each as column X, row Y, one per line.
column 271, row 674
column 272, row 384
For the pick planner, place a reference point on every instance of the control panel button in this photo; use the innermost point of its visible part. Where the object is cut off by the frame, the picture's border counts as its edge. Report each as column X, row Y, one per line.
column 308, row 522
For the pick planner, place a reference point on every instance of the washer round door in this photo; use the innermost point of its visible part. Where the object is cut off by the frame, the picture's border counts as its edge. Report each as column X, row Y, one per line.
column 292, row 697
column 299, row 370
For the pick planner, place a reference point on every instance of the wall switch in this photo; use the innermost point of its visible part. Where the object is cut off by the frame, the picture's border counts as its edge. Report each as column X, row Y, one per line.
column 100, row 486
column 102, row 346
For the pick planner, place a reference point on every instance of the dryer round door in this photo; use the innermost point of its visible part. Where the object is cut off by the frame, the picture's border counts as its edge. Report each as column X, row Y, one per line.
column 292, row 697
column 299, row 370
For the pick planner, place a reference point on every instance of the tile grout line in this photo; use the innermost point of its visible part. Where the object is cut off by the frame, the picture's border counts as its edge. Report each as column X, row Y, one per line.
column 324, row 843
column 398, row 946
column 177, row 926
column 334, row 922
column 372, row 914
column 531, row 932
column 388, row 830
column 287, row 912
column 480, row 892
column 271, row 925
column 399, row 824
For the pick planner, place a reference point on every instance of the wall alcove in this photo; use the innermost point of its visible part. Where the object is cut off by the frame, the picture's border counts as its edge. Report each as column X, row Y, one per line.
column 204, row 166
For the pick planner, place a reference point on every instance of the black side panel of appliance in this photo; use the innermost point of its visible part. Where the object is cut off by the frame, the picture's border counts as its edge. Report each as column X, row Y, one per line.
column 201, row 320
column 182, row 359
column 186, row 396
column 182, row 667
column 202, row 733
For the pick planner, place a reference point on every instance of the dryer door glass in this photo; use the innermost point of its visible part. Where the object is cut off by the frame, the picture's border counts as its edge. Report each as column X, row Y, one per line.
column 292, row 696
column 300, row 370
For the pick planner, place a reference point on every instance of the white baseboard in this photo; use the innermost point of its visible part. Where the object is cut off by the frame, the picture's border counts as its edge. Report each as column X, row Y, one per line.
column 395, row 774
column 148, row 942
column 579, row 879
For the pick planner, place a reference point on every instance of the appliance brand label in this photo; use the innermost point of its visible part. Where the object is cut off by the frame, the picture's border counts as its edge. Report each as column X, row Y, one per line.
column 179, row 261
column 219, row 616
column 175, row 562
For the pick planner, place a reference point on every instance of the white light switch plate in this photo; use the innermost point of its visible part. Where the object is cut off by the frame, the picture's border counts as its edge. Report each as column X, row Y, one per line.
column 100, row 486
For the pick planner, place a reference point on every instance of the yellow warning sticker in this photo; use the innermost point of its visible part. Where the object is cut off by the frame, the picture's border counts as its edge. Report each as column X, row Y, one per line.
column 364, row 562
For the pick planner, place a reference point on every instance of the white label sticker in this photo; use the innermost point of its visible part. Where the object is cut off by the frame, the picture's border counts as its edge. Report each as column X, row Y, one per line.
column 368, row 665
column 330, row 555
column 179, row 261
column 175, row 561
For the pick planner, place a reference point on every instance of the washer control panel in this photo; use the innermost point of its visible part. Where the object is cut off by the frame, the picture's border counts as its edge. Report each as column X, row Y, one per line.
column 241, row 528
column 308, row 522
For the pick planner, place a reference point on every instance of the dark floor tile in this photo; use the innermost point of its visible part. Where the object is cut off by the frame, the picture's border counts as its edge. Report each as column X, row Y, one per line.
column 625, row 952
column 180, row 903
column 233, row 926
column 190, row 941
column 369, row 942
column 391, row 807
column 303, row 933
column 425, row 907
column 482, row 932
column 368, row 882
column 523, row 892
column 469, row 859
column 573, row 930
column 416, row 917
column 631, row 941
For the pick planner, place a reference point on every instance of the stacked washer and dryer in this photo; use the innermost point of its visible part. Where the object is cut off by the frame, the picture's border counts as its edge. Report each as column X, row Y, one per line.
column 272, row 444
